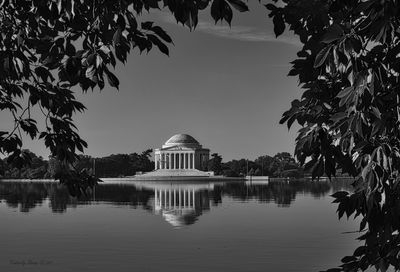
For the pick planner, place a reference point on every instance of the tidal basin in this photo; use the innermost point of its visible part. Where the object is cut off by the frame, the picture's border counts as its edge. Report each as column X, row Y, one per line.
column 145, row 226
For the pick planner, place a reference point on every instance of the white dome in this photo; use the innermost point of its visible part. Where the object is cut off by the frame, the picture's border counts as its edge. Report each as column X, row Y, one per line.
column 182, row 140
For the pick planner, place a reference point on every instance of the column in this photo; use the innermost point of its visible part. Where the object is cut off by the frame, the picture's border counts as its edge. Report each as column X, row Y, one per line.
column 169, row 200
column 174, row 199
column 193, row 197
column 169, row 161
column 184, row 161
column 184, row 198
column 155, row 198
column 180, row 199
column 189, row 204
column 173, row 160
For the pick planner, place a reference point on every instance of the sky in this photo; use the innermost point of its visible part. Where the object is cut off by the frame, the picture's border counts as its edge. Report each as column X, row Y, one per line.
column 225, row 86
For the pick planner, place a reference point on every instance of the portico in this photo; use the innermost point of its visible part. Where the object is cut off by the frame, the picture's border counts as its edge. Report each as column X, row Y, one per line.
column 181, row 152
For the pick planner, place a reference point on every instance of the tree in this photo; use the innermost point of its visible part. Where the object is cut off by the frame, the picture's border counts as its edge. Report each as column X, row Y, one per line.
column 215, row 164
column 49, row 47
column 348, row 70
column 265, row 162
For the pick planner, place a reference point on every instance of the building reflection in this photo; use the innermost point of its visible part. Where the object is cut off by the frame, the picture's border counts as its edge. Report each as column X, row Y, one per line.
column 180, row 204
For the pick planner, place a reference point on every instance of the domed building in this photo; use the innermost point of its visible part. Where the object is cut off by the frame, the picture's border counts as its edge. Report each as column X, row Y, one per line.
column 181, row 152
column 181, row 157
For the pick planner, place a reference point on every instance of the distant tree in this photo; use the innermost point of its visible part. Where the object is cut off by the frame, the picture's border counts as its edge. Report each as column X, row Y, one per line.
column 229, row 173
column 55, row 166
column 282, row 162
column 36, row 168
column 215, row 164
column 265, row 162
column 3, row 168
column 251, row 172
column 284, row 157
column 231, row 168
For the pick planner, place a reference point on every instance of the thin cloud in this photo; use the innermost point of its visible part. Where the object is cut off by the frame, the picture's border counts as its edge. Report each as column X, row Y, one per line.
column 244, row 33
column 237, row 32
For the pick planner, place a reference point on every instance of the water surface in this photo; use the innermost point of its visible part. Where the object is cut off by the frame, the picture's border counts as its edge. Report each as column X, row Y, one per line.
column 145, row 226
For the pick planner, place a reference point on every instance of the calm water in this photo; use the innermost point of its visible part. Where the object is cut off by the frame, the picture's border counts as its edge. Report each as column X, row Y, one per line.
column 144, row 226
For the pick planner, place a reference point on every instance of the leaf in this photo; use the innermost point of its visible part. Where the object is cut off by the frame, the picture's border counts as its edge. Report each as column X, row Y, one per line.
column 216, row 10
column 161, row 33
column 161, row 46
column 99, row 61
column 90, row 72
column 356, row 44
column 340, row 194
column 29, row 126
column 338, row 116
column 376, row 112
column 117, row 36
column 347, row 99
column 321, row 56
column 43, row 73
column 121, row 22
column 239, row 5
column 333, row 33
column 147, row 25
column 112, row 79
column 270, row 7
column 279, row 25
column 360, row 250
column 345, row 92
column 348, row 259
column 70, row 49
column 318, row 169
column 132, row 21
column 221, row 10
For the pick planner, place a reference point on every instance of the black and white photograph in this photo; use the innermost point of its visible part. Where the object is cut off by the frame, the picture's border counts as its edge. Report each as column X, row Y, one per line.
column 199, row 135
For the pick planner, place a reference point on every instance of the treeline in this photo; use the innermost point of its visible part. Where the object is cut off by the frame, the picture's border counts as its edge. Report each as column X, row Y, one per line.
column 119, row 165
column 280, row 165
column 123, row 165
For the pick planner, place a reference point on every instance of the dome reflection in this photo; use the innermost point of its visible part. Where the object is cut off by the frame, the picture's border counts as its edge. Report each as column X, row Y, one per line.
column 181, row 205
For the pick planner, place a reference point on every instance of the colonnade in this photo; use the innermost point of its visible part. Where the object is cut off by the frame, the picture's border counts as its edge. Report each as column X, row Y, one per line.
column 175, row 160
column 173, row 199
